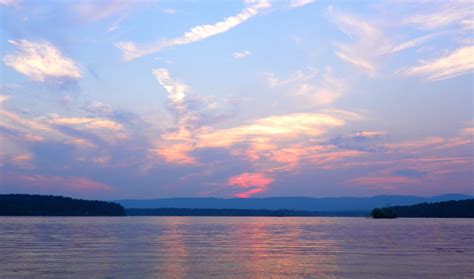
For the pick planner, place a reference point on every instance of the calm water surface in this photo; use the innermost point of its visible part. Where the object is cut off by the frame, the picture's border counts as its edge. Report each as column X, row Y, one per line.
column 236, row 247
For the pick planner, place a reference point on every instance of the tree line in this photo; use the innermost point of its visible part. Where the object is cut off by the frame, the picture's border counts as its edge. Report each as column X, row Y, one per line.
column 41, row 205
column 447, row 209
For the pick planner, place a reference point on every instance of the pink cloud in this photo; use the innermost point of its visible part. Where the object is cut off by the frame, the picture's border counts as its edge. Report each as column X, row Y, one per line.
column 248, row 194
column 246, row 180
column 96, row 11
column 383, row 180
column 38, row 183
column 176, row 154
column 463, row 138
column 21, row 158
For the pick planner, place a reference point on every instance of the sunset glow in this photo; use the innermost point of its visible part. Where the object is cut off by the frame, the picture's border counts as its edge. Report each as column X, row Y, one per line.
column 146, row 99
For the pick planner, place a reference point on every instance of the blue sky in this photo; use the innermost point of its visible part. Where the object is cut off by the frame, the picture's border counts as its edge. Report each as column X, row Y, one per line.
column 142, row 99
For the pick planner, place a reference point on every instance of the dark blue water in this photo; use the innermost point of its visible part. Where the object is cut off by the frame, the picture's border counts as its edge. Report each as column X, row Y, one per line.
column 235, row 247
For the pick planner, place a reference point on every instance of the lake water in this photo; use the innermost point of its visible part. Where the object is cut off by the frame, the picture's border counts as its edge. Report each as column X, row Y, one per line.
column 235, row 247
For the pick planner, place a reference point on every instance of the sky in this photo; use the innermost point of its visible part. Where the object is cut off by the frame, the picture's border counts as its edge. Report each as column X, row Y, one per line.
column 140, row 99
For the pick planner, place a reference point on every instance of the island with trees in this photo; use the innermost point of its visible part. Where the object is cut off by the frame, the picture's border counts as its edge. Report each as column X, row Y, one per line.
column 446, row 209
column 41, row 205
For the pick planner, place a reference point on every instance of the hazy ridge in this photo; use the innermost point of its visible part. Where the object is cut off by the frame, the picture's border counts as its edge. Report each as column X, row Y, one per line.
column 291, row 203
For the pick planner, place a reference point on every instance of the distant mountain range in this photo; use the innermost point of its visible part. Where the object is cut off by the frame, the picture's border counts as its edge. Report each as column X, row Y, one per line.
column 334, row 204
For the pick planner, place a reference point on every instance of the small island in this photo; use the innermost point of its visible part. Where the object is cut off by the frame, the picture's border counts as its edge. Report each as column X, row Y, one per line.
column 447, row 209
column 383, row 213
column 40, row 205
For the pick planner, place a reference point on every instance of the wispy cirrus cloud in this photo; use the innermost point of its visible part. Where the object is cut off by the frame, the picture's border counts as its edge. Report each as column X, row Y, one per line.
column 319, row 88
column 441, row 15
column 98, row 10
column 368, row 141
column 86, row 122
column 41, row 61
column 9, row 2
column 300, row 3
column 241, row 54
column 132, row 51
column 113, row 11
column 59, row 185
column 22, row 160
column 366, row 35
column 433, row 143
column 427, row 161
column 414, row 171
column 326, row 91
column 22, row 132
column 98, row 108
column 299, row 76
column 375, row 34
column 414, row 42
column 456, row 63
column 408, row 173
column 88, row 129
column 384, row 181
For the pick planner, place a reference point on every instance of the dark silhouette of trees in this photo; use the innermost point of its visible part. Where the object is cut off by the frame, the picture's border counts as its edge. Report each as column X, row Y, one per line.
column 447, row 209
column 39, row 205
column 383, row 213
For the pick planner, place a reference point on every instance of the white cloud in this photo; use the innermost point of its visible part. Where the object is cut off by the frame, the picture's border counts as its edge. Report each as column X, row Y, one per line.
column 276, row 127
column 414, row 42
column 78, row 131
column 297, row 77
column 176, row 90
column 9, row 2
column 358, row 61
column 132, row 51
column 3, row 98
column 98, row 10
column 241, row 54
column 328, row 90
column 106, row 129
column 41, row 61
column 368, row 37
column 86, row 122
column 299, row 3
column 447, row 14
column 317, row 88
column 325, row 93
column 168, row 10
column 175, row 144
column 98, row 108
column 458, row 62
column 372, row 41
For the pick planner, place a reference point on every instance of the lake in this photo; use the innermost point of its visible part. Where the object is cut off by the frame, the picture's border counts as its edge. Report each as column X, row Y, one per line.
column 235, row 247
